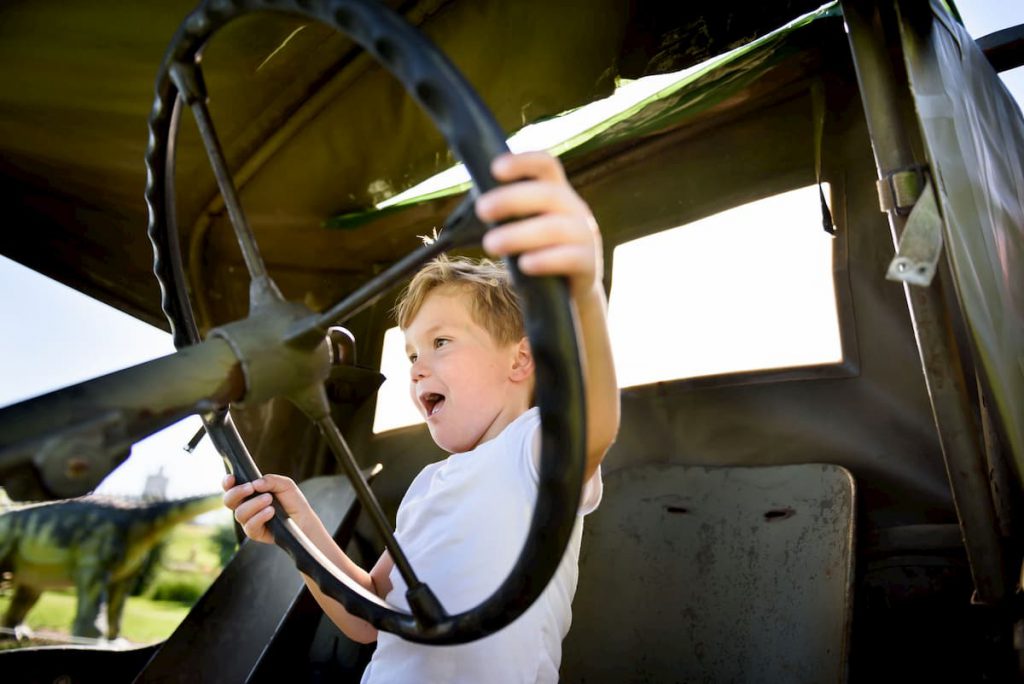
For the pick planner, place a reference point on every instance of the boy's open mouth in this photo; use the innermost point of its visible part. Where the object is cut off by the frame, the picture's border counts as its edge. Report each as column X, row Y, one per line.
column 432, row 402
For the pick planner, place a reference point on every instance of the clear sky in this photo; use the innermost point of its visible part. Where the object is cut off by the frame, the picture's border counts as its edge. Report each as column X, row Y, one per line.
column 52, row 336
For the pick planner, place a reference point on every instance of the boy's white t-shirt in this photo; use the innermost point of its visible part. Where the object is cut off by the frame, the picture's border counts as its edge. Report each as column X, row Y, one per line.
column 462, row 524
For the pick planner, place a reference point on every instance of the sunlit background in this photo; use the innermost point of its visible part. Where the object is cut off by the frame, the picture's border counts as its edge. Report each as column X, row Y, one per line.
column 686, row 302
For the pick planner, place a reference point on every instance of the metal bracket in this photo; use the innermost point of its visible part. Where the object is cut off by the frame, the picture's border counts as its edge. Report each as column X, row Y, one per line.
column 921, row 243
column 74, row 458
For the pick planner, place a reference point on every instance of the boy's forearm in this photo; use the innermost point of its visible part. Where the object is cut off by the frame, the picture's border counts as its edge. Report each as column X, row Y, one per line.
column 355, row 628
column 602, row 389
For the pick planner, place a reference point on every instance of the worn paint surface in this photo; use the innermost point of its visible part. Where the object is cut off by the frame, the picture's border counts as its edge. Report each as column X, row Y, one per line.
column 739, row 574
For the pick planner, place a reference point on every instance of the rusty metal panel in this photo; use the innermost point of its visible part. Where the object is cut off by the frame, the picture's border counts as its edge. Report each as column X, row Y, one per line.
column 694, row 574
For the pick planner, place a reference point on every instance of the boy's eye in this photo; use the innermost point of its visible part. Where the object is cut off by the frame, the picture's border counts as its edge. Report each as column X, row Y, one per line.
column 412, row 358
column 440, row 342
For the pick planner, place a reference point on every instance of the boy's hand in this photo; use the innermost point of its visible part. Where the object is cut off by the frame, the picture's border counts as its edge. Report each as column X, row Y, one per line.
column 254, row 513
column 550, row 226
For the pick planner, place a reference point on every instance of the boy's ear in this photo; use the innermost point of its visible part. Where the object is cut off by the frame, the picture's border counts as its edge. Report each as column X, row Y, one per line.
column 522, row 363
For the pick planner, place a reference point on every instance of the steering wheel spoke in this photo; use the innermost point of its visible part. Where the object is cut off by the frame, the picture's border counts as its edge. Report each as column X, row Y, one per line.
column 188, row 78
column 347, row 460
column 461, row 228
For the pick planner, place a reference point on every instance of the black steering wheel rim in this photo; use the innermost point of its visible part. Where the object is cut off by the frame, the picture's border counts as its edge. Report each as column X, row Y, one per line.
column 476, row 139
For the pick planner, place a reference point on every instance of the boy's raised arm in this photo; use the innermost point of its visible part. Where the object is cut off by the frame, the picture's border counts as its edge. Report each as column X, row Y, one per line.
column 602, row 389
column 559, row 236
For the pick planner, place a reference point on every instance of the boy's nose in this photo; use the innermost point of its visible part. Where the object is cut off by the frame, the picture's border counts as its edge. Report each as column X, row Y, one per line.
column 418, row 370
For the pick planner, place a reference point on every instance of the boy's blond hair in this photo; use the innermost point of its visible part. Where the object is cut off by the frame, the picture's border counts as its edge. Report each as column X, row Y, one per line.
column 494, row 304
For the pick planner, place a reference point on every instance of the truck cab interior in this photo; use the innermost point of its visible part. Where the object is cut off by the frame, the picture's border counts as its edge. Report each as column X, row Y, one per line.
column 813, row 222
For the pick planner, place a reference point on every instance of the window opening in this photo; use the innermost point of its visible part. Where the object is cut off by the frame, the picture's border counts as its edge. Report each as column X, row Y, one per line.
column 394, row 406
column 746, row 289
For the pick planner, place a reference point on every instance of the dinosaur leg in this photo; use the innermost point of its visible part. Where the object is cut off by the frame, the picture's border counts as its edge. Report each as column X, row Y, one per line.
column 90, row 583
column 117, row 594
column 21, row 603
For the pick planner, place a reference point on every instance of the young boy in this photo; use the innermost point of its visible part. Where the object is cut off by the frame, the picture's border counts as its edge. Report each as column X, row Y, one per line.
column 462, row 521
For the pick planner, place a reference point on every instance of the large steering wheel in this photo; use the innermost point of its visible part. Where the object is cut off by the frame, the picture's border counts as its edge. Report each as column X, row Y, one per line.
column 281, row 346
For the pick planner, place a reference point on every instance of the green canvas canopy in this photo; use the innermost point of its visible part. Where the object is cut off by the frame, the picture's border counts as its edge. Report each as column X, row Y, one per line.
column 312, row 126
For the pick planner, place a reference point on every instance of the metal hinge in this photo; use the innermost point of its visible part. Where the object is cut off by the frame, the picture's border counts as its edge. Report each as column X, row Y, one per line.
column 899, row 190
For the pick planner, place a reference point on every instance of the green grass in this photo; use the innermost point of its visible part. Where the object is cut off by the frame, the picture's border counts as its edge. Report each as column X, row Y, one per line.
column 190, row 565
column 191, row 545
column 144, row 621
column 54, row 611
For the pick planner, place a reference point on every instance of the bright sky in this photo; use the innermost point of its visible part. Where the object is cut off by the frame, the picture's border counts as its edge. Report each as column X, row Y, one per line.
column 53, row 336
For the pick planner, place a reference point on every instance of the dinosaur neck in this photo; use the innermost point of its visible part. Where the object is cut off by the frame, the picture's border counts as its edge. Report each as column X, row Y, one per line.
column 166, row 514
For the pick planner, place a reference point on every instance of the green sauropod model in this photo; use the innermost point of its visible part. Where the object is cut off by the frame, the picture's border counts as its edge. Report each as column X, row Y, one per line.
column 96, row 544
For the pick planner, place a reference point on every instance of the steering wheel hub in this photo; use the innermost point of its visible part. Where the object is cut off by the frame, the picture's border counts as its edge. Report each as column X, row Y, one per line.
column 272, row 368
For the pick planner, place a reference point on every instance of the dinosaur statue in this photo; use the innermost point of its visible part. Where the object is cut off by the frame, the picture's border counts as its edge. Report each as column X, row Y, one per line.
column 96, row 544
